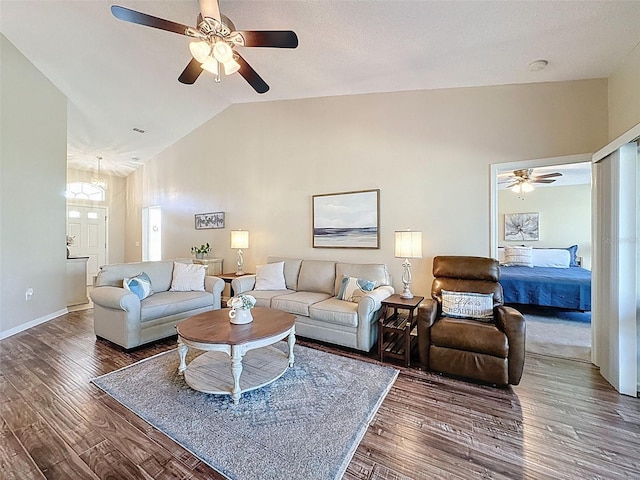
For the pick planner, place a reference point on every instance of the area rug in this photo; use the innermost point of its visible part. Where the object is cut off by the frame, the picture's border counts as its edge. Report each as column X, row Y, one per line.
column 558, row 333
column 305, row 425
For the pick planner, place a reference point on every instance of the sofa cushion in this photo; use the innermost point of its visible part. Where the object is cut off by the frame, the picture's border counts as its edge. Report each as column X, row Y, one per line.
column 291, row 270
column 469, row 335
column 270, row 277
column 298, row 303
column 337, row 312
column 376, row 272
column 188, row 277
column 317, row 276
column 263, row 297
column 163, row 304
column 160, row 274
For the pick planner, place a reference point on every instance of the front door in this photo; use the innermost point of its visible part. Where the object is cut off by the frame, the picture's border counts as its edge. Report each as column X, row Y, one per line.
column 88, row 227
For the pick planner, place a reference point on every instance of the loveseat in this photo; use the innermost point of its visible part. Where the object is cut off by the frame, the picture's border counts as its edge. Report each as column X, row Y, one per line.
column 177, row 291
column 311, row 290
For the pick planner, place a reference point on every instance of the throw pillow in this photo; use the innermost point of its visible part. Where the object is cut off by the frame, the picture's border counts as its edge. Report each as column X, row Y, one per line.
column 519, row 256
column 188, row 277
column 573, row 251
column 353, row 289
column 140, row 285
column 477, row 306
column 270, row 277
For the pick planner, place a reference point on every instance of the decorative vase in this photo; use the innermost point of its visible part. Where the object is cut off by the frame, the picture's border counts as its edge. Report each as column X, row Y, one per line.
column 240, row 316
column 199, row 256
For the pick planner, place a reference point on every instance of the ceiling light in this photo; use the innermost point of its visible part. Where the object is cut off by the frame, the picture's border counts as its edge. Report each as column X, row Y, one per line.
column 98, row 180
column 223, row 53
column 200, row 51
column 527, row 187
column 538, row 65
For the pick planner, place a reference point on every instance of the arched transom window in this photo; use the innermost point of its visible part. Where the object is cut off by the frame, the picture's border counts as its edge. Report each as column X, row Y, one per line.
column 84, row 191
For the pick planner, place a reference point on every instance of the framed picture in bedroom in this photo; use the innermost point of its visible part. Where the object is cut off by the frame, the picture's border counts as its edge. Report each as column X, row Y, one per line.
column 209, row 220
column 346, row 220
column 521, row 226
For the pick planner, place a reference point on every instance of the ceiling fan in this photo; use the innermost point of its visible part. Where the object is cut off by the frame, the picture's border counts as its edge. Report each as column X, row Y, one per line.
column 522, row 180
column 216, row 39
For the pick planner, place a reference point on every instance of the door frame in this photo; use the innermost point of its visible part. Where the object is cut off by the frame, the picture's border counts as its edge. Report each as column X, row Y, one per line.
column 91, row 204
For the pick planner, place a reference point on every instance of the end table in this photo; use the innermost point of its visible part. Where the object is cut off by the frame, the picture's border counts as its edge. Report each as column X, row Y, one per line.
column 397, row 333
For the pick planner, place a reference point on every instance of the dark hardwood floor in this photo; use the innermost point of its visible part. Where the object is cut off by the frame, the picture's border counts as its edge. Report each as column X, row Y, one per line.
column 562, row 421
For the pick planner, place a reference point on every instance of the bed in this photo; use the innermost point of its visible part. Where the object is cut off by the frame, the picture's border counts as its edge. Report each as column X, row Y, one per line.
column 566, row 287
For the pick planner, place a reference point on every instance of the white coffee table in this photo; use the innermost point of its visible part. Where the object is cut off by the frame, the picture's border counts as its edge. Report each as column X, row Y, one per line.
column 238, row 358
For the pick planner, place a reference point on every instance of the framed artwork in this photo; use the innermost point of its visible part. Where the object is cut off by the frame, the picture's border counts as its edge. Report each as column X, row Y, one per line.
column 521, row 226
column 209, row 220
column 347, row 220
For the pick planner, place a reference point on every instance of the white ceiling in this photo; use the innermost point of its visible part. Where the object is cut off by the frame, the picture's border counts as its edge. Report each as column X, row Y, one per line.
column 119, row 76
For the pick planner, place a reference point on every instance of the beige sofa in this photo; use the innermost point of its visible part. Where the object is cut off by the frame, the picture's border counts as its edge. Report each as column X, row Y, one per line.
column 311, row 290
column 120, row 317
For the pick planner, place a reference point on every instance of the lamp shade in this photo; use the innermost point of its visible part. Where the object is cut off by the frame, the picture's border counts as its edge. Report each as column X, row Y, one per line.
column 239, row 239
column 408, row 244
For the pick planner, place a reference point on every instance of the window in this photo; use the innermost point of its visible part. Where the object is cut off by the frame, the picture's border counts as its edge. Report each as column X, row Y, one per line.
column 84, row 191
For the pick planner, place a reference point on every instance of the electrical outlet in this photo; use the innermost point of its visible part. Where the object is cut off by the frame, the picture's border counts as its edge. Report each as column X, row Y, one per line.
column 28, row 294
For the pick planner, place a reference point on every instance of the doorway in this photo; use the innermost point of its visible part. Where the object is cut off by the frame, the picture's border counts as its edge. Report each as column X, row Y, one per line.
column 87, row 232
column 561, row 207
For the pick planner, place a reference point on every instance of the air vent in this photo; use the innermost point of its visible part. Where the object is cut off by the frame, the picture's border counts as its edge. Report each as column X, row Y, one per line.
column 139, row 130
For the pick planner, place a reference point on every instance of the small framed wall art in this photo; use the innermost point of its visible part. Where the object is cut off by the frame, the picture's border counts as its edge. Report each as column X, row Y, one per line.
column 521, row 226
column 209, row 220
column 347, row 220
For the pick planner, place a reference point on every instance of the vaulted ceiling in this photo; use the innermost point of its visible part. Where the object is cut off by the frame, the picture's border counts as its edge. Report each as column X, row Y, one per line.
column 120, row 76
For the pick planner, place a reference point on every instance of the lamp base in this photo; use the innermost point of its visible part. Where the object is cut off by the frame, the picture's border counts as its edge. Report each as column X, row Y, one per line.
column 406, row 293
column 239, row 272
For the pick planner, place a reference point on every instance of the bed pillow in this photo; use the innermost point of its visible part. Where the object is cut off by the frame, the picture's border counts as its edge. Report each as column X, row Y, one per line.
column 270, row 277
column 501, row 255
column 550, row 257
column 519, row 256
column 140, row 285
column 573, row 252
column 352, row 289
column 188, row 277
column 476, row 306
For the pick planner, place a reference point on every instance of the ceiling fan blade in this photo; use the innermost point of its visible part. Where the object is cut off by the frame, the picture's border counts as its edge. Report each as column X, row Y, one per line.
column 191, row 73
column 132, row 16
column 269, row 38
column 251, row 76
column 542, row 181
column 210, row 8
column 512, row 185
column 549, row 175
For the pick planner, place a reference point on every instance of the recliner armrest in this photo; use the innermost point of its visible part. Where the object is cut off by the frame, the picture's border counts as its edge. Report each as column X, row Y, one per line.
column 512, row 323
column 115, row 297
column 427, row 315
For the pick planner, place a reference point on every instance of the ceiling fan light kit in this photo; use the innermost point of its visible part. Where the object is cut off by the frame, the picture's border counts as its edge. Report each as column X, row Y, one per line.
column 523, row 180
column 216, row 41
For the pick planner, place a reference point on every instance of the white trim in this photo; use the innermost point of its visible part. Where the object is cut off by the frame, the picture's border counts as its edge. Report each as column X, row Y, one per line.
column 627, row 137
column 33, row 323
column 495, row 168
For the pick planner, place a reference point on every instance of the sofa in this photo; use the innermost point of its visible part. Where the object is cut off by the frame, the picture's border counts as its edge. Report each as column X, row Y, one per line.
column 458, row 335
column 123, row 318
column 311, row 289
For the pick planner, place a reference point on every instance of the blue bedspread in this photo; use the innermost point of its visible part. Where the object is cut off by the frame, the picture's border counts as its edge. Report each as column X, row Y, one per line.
column 549, row 287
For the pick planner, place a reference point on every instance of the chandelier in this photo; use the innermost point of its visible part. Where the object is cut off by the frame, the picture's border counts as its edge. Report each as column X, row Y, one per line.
column 98, row 180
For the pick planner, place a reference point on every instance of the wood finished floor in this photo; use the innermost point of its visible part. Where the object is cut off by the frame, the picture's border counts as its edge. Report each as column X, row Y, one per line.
column 563, row 420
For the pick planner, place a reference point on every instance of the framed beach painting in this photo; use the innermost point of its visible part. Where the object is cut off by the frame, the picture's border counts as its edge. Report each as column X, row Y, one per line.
column 347, row 220
column 521, row 226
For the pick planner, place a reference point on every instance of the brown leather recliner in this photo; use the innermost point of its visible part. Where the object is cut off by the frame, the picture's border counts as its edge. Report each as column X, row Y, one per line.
column 490, row 352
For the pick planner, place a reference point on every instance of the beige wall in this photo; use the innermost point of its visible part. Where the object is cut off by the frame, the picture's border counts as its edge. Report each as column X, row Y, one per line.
column 428, row 152
column 624, row 95
column 565, row 217
column 33, row 155
column 115, row 203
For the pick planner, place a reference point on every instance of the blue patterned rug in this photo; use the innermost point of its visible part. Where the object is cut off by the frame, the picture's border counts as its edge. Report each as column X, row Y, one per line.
column 305, row 425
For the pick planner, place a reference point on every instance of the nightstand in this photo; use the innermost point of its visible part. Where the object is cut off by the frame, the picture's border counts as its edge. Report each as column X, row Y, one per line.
column 397, row 332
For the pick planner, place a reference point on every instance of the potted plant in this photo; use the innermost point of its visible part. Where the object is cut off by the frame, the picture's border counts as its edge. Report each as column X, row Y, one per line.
column 201, row 251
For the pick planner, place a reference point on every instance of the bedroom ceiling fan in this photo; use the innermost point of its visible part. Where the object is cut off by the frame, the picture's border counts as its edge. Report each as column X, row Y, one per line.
column 215, row 42
column 522, row 180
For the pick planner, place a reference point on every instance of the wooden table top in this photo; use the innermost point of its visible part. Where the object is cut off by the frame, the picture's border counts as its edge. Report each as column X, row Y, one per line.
column 215, row 327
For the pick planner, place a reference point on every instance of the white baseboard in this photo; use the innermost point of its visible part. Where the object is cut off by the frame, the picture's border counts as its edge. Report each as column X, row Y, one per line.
column 33, row 323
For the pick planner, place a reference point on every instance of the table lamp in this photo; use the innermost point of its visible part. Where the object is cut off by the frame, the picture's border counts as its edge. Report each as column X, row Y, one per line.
column 408, row 245
column 240, row 240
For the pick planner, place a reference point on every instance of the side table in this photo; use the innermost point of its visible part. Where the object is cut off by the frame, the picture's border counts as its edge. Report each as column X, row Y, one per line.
column 213, row 265
column 397, row 333
column 227, row 277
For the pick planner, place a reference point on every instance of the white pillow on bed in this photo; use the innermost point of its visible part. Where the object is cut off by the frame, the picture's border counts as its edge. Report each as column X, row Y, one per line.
column 551, row 257
column 518, row 256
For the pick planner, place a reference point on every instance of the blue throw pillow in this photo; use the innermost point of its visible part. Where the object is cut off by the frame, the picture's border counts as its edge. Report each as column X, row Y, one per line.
column 573, row 259
column 140, row 285
column 353, row 289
